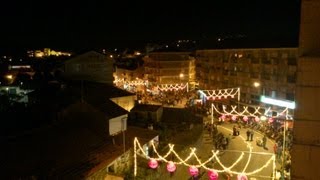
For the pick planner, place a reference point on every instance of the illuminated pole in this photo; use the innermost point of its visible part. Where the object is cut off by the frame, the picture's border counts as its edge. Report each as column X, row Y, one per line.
column 284, row 145
column 212, row 113
column 238, row 99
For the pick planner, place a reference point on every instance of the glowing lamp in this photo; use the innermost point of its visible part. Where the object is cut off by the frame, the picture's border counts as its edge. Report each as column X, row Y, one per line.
column 194, row 171
column 245, row 118
column 234, row 117
column 171, row 167
column 263, row 118
column 242, row 177
column 213, row 175
column 257, row 119
column 153, row 164
column 225, row 96
column 213, row 98
column 232, row 96
column 223, row 117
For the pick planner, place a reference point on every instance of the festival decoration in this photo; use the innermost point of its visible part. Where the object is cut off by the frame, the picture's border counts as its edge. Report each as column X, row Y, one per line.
column 171, row 87
column 270, row 120
column 213, row 175
column 234, row 112
column 257, row 119
column 171, row 167
column 234, row 117
column 153, row 164
column 221, row 93
column 194, row 171
column 242, row 177
column 245, row 118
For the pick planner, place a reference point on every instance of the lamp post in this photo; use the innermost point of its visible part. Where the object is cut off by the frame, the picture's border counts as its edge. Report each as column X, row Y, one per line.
column 181, row 75
column 211, row 114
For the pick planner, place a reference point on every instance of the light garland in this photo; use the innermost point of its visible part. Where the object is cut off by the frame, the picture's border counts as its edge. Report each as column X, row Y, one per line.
column 200, row 164
column 130, row 83
column 167, row 87
column 245, row 112
column 221, row 93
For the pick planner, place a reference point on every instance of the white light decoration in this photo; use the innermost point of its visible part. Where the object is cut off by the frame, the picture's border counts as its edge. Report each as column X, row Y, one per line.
column 277, row 102
column 221, row 93
column 256, row 114
column 171, row 87
column 130, row 83
column 138, row 150
column 263, row 118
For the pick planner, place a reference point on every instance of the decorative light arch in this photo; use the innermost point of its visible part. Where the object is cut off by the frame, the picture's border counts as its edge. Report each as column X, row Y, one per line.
column 170, row 87
column 221, row 93
column 245, row 112
column 138, row 150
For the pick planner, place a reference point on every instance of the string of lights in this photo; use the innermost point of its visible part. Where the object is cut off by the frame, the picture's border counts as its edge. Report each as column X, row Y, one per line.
column 170, row 87
column 200, row 164
column 221, row 93
column 245, row 113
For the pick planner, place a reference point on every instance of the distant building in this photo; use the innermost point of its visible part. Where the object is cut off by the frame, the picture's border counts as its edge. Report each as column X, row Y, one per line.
column 268, row 71
column 170, row 68
column 90, row 66
column 47, row 52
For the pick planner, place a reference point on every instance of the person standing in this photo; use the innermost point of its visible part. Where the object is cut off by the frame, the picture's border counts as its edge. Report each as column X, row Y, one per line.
column 264, row 141
column 248, row 134
column 251, row 135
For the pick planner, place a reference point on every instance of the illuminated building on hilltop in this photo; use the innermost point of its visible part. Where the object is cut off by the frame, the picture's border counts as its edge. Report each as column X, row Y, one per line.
column 47, row 52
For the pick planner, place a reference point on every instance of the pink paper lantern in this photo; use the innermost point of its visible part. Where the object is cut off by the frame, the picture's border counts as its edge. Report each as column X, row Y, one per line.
column 194, row 171
column 242, row 177
column 223, row 117
column 257, row 119
column 245, row 118
column 270, row 120
column 234, row 117
column 171, row 167
column 153, row 164
column 213, row 175
column 213, row 98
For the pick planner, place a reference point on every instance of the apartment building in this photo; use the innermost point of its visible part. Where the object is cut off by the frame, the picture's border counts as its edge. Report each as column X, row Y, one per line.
column 170, row 68
column 306, row 142
column 268, row 71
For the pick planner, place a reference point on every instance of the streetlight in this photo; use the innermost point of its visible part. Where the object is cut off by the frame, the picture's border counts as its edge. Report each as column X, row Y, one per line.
column 256, row 84
column 181, row 75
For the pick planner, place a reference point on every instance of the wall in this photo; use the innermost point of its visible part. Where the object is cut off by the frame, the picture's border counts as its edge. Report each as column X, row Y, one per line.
column 126, row 102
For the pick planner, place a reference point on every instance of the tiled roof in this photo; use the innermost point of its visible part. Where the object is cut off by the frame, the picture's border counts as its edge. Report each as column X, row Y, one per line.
column 145, row 107
column 109, row 108
column 96, row 94
column 67, row 151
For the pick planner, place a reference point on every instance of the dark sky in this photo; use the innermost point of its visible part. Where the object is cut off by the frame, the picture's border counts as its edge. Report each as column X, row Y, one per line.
column 69, row 24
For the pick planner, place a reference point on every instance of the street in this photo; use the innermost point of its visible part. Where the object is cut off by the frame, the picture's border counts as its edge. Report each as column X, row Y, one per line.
column 237, row 155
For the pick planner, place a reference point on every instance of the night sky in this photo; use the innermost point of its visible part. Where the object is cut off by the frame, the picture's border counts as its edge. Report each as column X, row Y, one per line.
column 71, row 24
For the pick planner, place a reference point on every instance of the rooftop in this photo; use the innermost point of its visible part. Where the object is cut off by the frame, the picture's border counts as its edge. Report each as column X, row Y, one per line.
column 145, row 107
